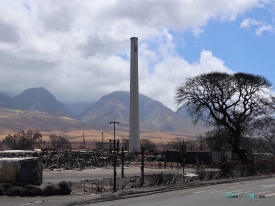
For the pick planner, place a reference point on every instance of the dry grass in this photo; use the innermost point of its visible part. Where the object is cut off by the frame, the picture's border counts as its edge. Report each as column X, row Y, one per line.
column 95, row 135
column 13, row 121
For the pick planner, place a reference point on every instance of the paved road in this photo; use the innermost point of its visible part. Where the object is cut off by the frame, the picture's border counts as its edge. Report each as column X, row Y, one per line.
column 245, row 193
column 99, row 173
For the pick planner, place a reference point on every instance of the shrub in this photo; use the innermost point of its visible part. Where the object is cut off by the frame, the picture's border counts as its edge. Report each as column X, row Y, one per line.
column 200, row 170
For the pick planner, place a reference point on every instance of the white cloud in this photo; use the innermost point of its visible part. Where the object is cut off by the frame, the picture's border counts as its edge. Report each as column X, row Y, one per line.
column 172, row 72
column 264, row 28
column 260, row 26
column 250, row 22
column 79, row 50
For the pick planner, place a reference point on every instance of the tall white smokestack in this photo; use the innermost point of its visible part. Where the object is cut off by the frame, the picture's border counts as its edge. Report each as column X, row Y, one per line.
column 134, row 144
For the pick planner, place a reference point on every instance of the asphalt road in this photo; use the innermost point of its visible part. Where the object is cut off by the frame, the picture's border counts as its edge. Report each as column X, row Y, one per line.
column 244, row 193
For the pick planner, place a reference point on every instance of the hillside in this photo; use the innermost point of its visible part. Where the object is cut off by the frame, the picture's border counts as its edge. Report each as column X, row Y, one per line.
column 13, row 121
column 38, row 109
column 4, row 101
column 79, row 107
column 154, row 116
column 39, row 99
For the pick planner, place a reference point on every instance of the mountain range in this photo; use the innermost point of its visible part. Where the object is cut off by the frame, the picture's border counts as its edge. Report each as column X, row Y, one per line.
column 39, row 107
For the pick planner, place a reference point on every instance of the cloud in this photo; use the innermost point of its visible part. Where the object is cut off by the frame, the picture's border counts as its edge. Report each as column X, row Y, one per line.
column 171, row 72
column 8, row 33
column 250, row 22
column 59, row 17
column 79, row 50
column 264, row 28
column 260, row 26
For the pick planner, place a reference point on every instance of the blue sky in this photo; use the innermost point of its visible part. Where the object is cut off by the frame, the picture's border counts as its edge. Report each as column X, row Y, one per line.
column 240, row 49
column 79, row 50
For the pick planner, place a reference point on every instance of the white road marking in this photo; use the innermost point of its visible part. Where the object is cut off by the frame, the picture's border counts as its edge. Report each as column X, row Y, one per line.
column 268, row 185
column 265, row 181
column 270, row 195
column 241, row 185
column 230, row 191
column 218, row 191
column 261, row 192
column 237, row 193
column 234, row 186
column 205, row 191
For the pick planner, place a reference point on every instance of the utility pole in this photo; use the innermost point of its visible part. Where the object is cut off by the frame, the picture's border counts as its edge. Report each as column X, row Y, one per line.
column 142, row 166
column 47, row 157
column 102, row 140
column 183, row 152
column 122, row 162
column 114, row 186
column 84, row 142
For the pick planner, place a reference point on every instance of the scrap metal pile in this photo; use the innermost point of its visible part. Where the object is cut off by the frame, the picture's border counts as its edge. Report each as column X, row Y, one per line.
column 71, row 159
column 53, row 158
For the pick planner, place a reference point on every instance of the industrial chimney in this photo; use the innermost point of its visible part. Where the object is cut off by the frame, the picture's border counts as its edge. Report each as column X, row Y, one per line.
column 134, row 144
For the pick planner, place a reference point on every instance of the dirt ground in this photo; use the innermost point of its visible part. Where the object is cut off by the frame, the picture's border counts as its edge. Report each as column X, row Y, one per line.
column 80, row 181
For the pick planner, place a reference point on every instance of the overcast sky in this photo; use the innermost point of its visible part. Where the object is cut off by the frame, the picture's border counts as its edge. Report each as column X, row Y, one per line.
column 79, row 50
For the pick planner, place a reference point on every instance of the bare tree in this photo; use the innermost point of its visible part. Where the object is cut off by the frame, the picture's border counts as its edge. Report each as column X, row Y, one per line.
column 23, row 140
column 165, row 146
column 266, row 129
column 125, row 143
column 228, row 101
column 202, row 144
column 191, row 144
column 58, row 141
column 148, row 144
column 177, row 144
column 217, row 139
column 255, row 144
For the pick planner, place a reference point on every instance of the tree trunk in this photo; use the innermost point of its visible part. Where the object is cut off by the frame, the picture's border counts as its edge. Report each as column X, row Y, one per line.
column 243, row 155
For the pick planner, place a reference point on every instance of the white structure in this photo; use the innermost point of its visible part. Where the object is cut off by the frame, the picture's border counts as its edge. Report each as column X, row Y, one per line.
column 134, row 144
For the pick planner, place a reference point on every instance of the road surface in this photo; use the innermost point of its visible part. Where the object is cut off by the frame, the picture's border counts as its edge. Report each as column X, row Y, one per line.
column 257, row 192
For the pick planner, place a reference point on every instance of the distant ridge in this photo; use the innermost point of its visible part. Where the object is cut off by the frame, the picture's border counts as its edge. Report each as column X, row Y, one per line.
column 154, row 116
column 37, row 108
column 4, row 101
column 39, row 99
column 79, row 108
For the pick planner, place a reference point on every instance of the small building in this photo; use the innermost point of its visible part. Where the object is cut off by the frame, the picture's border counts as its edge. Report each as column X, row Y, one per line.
column 202, row 156
column 173, row 156
column 260, row 156
column 21, row 171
